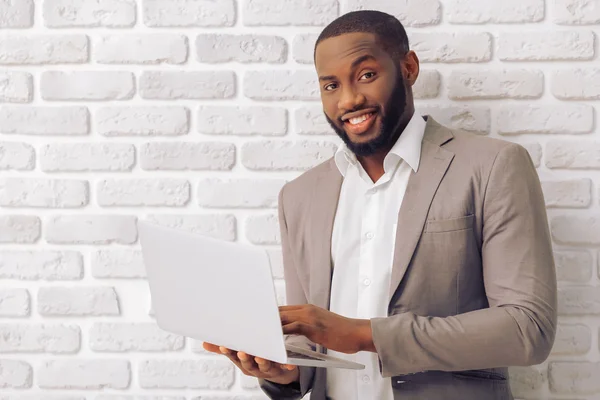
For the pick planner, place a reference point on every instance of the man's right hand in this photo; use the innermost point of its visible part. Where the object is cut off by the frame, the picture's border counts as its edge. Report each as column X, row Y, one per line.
column 258, row 367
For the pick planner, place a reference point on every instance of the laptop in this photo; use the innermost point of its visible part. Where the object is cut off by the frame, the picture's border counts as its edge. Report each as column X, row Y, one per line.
column 220, row 292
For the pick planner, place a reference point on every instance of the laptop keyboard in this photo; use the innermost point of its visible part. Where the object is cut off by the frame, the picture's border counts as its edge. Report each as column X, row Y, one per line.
column 293, row 354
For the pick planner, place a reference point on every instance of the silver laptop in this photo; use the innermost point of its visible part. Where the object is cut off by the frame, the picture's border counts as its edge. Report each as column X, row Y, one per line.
column 220, row 292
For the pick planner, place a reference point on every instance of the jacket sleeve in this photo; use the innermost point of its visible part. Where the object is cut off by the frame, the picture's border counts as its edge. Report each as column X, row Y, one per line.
column 519, row 275
column 294, row 295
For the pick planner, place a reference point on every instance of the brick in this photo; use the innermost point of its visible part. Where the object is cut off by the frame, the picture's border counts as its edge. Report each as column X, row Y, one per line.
column 123, row 337
column 143, row 121
column 178, row 156
column 568, row 229
column 39, row 338
column 409, row 12
column 495, row 12
column 87, row 157
column 145, row 49
column 528, row 381
column 452, row 47
column 91, row 229
column 281, row 85
column 574, row 377
column 43, row 49
column 77, row 301
column 46, row 397
column 578, row 300
column 15, row 374
column 572, row 119
column 16, row 156
column 189, row 13
column 143, row 192
column 573, row 155
column 577, row 84
column 239, row 193
column 263, row 229
column 572, row 339
column 112, row 264
column 87, row 85
column 427, row 85
column 219, row 226
column 535, row 152
column 573, row 193
column 14, row 302
column 86, row 14
column 16, row 14
column 172, row 85
column 303, row 47
column 19, row 228
column 289, row 12
column 248, row 120
column 576, row 12
column 546, row 46
column 285, row 156
column 42, row 120
column 467, row 118
column 84, row 374
column 504, row 84
column 214, row 48
column 129, row 397
column 573, row 266
column 180, row 374
column 32, row 265
column 310, row 120
column 16, row 87
column 248, row 382
column 276, row 260
column 48, row 193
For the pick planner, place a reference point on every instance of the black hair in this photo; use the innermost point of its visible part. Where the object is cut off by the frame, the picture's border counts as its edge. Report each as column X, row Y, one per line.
column 389, row 30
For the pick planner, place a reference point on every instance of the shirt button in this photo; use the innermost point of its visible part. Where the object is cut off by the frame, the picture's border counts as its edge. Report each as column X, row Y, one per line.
column 370, row 235
column 367, row 282
column 366, row 379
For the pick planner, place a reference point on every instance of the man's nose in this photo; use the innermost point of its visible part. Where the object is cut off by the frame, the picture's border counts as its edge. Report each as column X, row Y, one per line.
column 350, row 100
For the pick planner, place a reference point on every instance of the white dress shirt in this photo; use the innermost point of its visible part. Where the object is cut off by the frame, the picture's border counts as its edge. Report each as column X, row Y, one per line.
column 363, row 239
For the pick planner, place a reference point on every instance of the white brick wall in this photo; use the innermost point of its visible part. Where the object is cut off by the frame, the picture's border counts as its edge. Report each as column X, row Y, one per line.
column 194, row 113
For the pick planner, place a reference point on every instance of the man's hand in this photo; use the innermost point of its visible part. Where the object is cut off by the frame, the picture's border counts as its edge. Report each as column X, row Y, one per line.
column 256, row 366
column 331, row 330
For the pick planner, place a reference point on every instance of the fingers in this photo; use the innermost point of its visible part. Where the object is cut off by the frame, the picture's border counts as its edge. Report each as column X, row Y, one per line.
column 248, row 363
column 213, row 348
column 295, row 328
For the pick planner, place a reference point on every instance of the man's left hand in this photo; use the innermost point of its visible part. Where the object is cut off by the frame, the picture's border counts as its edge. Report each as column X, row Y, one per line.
column 333, row 331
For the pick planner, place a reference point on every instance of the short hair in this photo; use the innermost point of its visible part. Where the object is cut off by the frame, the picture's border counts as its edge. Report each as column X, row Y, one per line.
column 389, row 31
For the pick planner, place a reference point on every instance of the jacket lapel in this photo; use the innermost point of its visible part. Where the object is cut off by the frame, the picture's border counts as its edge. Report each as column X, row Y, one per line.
column 324, row 206
column 419, row 194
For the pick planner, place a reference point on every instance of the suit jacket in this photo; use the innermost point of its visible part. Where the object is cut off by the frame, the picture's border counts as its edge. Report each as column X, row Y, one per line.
column 473, row 285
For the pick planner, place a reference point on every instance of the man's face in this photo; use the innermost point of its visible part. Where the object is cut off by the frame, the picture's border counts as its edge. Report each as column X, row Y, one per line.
column 362, row 91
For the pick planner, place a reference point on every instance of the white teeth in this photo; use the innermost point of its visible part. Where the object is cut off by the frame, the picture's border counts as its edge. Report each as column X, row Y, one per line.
column 360, row 119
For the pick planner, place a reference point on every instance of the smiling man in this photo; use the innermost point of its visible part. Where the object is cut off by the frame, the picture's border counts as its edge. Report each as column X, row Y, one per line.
column 420, row 251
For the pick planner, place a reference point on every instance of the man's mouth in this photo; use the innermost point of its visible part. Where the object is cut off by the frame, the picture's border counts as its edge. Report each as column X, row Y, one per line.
column 360, row 124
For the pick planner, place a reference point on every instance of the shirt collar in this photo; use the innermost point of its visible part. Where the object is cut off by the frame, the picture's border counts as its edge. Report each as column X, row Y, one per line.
column 407, row 148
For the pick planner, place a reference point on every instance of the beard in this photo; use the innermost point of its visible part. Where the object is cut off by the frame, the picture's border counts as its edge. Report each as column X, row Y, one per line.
column 390, row 119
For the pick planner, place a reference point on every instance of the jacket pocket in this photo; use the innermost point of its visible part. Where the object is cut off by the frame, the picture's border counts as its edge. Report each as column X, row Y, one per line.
column 449, row 225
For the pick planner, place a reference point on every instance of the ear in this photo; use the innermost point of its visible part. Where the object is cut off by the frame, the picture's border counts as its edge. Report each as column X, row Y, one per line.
column 410, row 67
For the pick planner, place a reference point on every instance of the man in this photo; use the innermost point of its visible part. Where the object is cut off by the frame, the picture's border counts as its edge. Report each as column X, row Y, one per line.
column 420, row 251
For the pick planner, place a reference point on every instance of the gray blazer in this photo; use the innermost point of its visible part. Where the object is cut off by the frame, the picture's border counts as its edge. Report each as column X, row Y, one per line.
column 473, row 287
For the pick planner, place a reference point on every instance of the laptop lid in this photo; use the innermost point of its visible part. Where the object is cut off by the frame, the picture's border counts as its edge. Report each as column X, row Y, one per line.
column 212, row 290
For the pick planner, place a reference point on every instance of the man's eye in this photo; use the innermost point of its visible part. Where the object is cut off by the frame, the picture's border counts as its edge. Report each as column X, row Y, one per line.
column 331, row 86
column 368, row 75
